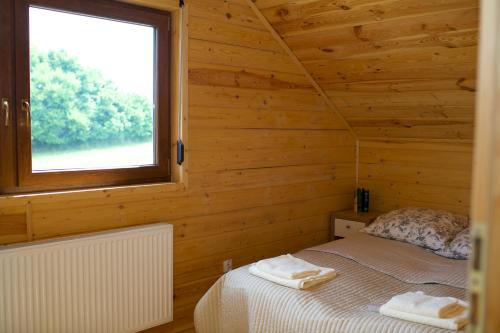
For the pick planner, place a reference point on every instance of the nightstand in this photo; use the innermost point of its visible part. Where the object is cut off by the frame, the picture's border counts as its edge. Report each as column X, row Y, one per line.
column 348, row 222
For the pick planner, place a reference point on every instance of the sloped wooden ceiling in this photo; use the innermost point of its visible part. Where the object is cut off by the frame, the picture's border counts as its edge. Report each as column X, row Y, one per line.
column 393, row 68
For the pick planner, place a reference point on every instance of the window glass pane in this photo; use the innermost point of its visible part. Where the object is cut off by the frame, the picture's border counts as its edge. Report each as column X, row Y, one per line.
column 92, row 92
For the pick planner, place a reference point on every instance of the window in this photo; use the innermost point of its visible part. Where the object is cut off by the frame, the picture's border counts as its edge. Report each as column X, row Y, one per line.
column 86, row 98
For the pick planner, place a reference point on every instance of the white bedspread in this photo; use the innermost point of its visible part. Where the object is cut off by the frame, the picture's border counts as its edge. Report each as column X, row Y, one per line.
column 241, row 302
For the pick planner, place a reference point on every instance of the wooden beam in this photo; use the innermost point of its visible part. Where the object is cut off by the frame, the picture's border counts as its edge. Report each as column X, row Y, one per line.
column 294, row 58
column 484, row 274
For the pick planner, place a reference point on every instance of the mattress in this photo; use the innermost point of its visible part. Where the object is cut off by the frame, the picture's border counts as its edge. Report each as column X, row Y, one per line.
column 370, row 271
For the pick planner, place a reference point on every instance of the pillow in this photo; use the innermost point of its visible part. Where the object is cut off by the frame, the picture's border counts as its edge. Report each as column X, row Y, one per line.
column 432, row 229
column 459, row 248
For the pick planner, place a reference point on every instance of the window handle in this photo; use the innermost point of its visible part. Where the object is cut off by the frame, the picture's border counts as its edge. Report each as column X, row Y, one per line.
column 6, row 110
column 25, row 106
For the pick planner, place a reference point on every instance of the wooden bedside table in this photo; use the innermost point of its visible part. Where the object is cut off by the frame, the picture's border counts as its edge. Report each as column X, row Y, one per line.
column 347, row 222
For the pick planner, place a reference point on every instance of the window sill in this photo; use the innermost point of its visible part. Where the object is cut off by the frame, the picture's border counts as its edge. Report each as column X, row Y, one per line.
column 93, row 193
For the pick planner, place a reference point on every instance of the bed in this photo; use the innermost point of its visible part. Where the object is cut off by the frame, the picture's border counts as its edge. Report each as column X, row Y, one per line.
column 370, row 271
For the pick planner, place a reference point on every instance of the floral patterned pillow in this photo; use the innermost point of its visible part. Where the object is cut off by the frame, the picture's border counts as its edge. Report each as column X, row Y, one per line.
column 459, row 248
column 432, row 229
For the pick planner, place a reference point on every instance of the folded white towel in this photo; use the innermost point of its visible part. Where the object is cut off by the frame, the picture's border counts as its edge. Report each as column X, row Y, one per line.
column 454, row 323
column 288, row 267
column 324, row 275
column 424, row 305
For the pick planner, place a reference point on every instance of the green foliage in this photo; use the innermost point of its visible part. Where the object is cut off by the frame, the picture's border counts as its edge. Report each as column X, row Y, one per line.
column 74, row 106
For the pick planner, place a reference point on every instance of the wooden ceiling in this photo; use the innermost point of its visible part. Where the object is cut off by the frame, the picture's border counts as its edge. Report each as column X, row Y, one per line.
column 393, row 68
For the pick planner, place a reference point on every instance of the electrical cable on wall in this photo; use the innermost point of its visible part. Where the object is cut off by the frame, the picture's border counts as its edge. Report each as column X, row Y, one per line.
column 180, row 144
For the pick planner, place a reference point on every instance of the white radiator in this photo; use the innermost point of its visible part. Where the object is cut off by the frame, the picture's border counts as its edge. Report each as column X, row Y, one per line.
column 117, row 281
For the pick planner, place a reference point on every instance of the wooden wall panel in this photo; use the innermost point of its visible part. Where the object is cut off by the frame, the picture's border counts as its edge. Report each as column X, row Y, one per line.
column 393, row 68
column 402, row 173
column 13, row 225
column 268, row 162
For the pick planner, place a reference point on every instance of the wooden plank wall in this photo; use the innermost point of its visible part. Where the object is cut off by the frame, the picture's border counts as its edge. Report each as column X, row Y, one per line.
column 403, row 173
column 268, row 162
column 393, row 68
column 402, row 73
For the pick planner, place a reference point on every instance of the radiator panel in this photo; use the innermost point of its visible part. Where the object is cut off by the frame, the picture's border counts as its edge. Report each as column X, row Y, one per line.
column 119, row 281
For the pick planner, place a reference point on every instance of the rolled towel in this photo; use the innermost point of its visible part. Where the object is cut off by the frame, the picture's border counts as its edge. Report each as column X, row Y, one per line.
column 325, row 274
column 288, row 267
column 424, row 305
column 453, row 323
